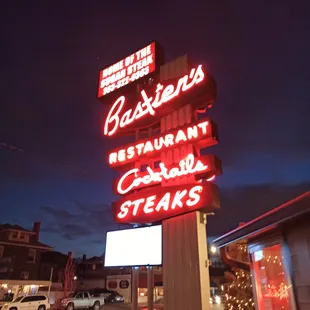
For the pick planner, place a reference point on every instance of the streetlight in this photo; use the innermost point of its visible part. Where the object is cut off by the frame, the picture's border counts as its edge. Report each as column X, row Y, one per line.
column 213, row 249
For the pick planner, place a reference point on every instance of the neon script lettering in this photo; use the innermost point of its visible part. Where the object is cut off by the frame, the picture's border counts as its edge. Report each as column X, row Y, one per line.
column 188, row 134
column 117, row 118
column 169, row 201
column 131, row 179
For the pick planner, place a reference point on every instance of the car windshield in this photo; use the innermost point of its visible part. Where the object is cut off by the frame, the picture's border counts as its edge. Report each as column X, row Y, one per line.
column 18, row 299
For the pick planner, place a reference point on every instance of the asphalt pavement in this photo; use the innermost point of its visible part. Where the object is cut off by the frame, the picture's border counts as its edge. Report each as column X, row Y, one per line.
column 128, row 307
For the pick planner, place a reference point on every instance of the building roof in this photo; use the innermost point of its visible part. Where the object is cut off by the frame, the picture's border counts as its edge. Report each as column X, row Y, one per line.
column 94, row 259
column 14, row 227
column 54, row 258
column 33, row 242
column 290, row 210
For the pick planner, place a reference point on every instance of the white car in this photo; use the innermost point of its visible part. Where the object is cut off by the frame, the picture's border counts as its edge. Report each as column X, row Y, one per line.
column 33, row 302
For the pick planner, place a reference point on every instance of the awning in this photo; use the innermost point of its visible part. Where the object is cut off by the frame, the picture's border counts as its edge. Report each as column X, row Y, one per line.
column 291, row 210
column 26, row 282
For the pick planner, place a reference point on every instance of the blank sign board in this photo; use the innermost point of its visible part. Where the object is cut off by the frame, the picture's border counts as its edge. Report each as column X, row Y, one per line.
column 134, row 247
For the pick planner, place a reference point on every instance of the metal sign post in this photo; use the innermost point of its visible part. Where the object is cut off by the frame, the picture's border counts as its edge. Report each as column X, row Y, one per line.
column 150, row 288
column 134, row 288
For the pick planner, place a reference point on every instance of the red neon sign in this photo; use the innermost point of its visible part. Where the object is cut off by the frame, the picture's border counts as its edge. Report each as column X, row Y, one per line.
column 127, row 70
column 159, row 203
column 119, row 117
column 202, row 132
column 207, row 166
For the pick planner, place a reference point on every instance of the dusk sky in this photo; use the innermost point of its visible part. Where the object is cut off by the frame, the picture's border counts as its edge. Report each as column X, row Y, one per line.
column 53, row 157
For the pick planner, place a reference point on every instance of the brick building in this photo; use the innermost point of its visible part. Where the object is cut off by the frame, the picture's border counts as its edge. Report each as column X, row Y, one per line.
column 20, row 252
column 53, row 264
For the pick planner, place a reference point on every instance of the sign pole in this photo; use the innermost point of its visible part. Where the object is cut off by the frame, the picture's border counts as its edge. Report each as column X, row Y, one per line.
column 185, row 256
column 134, row 288
column 51, row 280
column 186, row 272
column 150, row 288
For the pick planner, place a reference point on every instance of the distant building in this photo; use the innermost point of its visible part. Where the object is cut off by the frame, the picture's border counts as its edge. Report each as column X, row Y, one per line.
column 91, row 273
column 53, row 265
column 20, row 252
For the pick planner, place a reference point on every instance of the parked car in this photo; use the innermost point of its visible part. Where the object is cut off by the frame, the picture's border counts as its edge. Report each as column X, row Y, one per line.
column 109, row 295
column 82, row 300
column 33, row 302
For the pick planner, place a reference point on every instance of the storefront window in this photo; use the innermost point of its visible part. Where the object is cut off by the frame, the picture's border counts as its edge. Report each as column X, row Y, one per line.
column 142, row 291
column 273, row 289
column 160, row 291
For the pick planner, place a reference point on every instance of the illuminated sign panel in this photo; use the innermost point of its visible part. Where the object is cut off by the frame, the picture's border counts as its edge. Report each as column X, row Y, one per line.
column 197, row 87
column 171, row 184
column 203, row 132
column 156, row 204
column 206, row 166
column 127, row 70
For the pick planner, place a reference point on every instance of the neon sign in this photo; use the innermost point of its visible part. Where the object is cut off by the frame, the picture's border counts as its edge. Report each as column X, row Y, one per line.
column 127, row 70
column 202, row 132
column 206, row 166
column 119, row 117
column 159, row 203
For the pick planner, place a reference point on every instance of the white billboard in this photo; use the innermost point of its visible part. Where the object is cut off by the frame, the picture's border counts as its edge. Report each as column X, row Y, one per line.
column 134, row 247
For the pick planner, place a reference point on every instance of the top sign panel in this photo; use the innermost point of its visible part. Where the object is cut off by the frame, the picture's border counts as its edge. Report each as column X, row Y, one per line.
column 127, row 70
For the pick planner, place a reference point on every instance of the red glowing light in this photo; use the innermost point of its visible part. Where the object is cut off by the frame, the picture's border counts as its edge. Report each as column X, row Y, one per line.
column 127, row 70
column 202, row 132
column 133, row 179
column 156, row 204
column 281, row 292
column 119, row 118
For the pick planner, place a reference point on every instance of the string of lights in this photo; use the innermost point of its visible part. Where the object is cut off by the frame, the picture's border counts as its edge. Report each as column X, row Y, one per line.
column 239, row 293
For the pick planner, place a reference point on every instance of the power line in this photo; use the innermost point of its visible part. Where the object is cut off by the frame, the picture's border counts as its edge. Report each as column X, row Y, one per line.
column 65, row 167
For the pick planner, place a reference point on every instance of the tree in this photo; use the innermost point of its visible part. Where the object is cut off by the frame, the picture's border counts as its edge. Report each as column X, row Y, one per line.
column 68, row 282
column 69, row 276
column 239, row 293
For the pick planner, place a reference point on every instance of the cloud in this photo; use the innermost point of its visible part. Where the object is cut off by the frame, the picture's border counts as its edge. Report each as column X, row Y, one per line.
column 57, row 213
column 97, row 241
column 84, row 226
column 73, row 231
column 83, row 221
column 244, row 203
